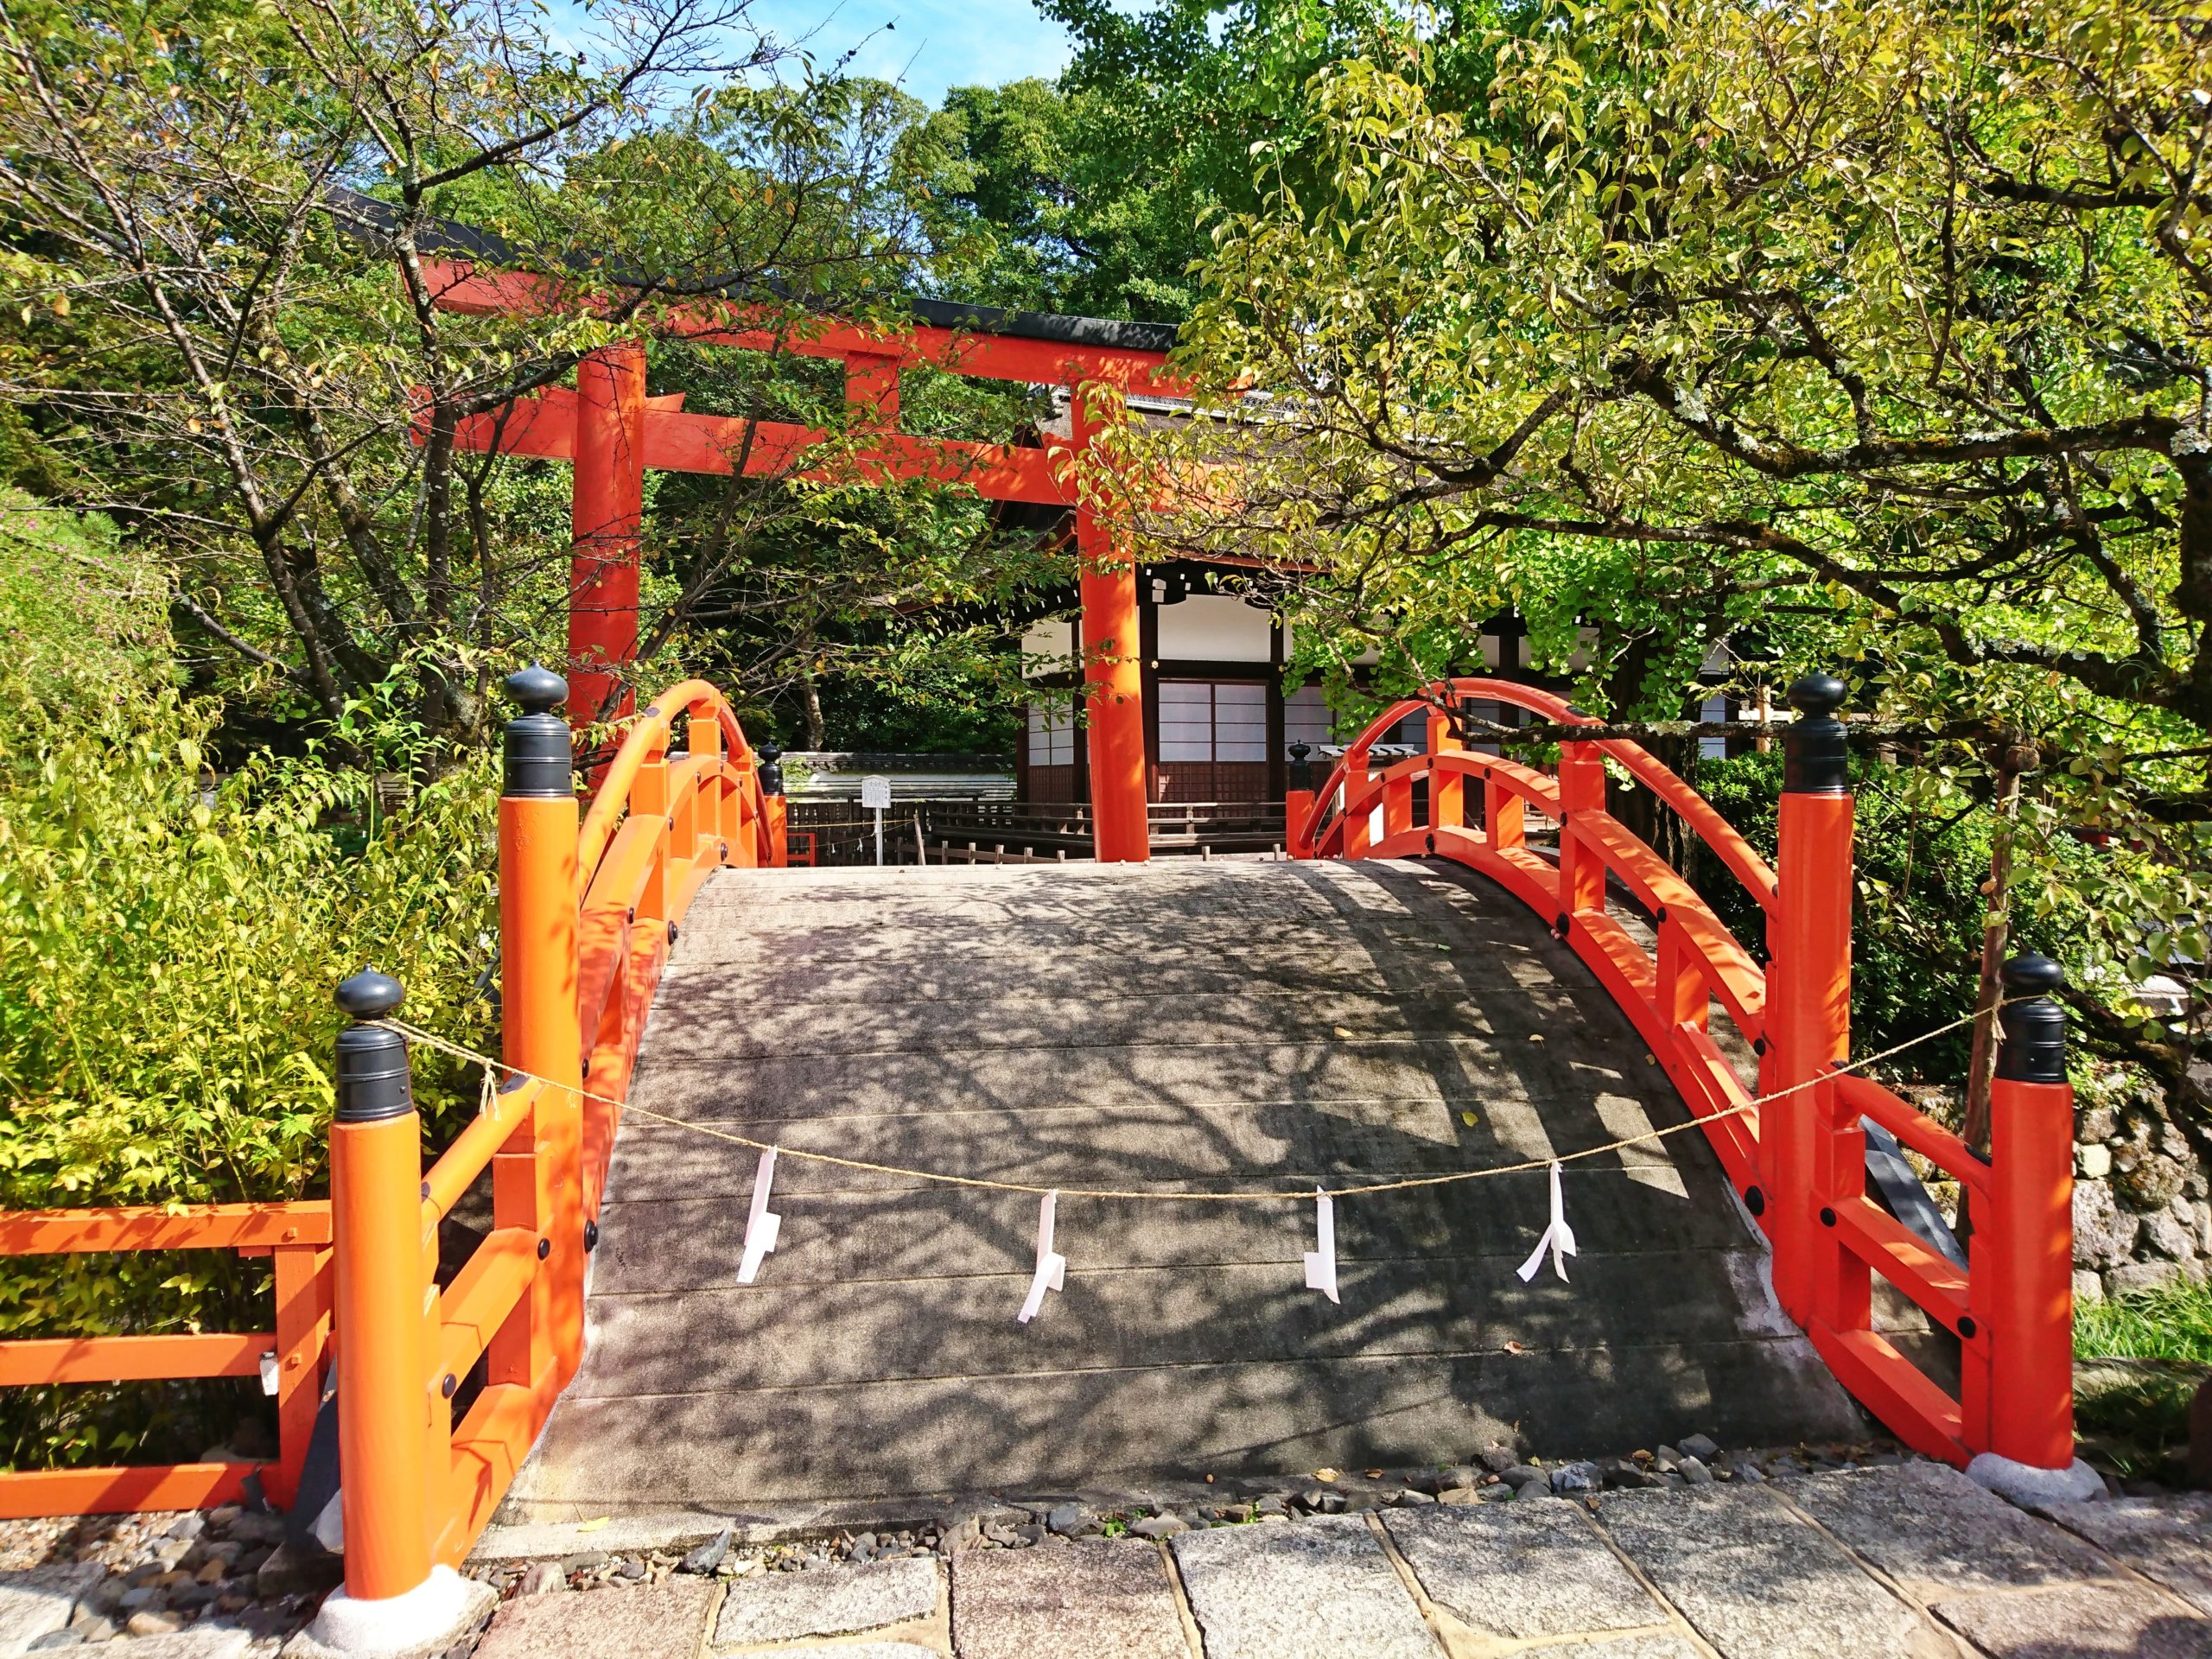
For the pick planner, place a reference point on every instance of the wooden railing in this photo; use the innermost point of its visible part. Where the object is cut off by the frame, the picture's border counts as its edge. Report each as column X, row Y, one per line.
column 1797, row 1161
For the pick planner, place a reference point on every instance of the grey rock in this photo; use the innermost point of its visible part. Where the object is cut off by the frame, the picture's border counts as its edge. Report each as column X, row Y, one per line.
column 1694, row 1472
column 1747, row 1470
column 1460, row 1495
column 708, row 1556
column 1160, row 1526
column 2089, row 1286
column 2133, row 1276
column 1626, row 1474
column 1520, row 1474
column 1031, row 1533
column 94, row 1628
column 144, row 1597
column 1413, row 1496
column 2095, row 1123
column 1272, row 1504
column 1578, row 1477
column 1319, row 1590
column 1068, row 1519
column 2169, row 1238
column 1665, row 1460
column 252, row 1527
column 631, row 1570
column 172, row 1551
column 189, row 1527
column 1523, row 1571
column 291, row 1572
column 2152, row 1184
column 63, row 1638
column 829, row 1601
column 1700, row 1446
column 589, row 1561
column 543, row 1577
column 1498, row 1459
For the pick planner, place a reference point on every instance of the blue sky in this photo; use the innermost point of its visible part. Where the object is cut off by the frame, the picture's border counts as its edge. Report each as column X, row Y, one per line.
column 932, row 44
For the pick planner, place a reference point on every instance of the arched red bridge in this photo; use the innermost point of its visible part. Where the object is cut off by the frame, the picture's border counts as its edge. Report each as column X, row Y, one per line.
column 1468, row 964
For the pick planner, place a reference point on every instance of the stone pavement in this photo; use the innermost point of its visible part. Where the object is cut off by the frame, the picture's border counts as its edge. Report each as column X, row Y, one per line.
column 1909, row 1560
column 1253, row 1023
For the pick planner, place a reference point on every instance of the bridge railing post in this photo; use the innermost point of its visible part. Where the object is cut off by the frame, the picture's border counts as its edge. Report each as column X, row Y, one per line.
column 538, row 1177
column 1359, row 824
column 776, row 850
column 1810, row 1160
column 1581, row 870
column 1298, row 803
column 2023, row 1256
column 1448, row 792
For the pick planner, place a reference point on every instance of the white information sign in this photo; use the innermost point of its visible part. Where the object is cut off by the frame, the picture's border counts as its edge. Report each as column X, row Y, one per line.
column 875, row 795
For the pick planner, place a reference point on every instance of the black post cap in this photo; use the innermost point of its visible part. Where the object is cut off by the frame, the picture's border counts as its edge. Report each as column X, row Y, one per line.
column 1815, row 747
column 772, row 775
column 539, row 753
column 1299, row 777
column 2033, row 1046
column 372, row 1076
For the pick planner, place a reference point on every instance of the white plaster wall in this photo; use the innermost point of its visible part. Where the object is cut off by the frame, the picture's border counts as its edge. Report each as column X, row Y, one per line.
column 1054, row 643
column 1215, row 628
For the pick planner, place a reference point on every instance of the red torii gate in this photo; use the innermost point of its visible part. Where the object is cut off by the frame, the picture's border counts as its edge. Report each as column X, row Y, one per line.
column 611, row 433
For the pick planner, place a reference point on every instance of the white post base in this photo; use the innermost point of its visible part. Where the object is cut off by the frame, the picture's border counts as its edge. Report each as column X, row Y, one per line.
column 427, row 1619
column 2029, row 1486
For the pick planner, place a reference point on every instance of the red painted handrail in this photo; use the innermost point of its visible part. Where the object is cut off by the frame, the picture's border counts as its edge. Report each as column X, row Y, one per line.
column 297, row 1235
column 1668, row 972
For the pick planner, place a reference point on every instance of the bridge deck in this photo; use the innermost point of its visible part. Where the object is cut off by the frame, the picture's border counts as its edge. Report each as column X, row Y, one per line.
column 1196, row 1024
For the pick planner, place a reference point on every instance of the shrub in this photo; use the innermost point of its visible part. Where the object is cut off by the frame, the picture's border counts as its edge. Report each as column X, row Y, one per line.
column 169, row 943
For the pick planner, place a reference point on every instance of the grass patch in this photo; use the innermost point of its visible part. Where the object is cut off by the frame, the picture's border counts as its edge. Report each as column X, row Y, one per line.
column 2137, row 1362
column 2173, row 1324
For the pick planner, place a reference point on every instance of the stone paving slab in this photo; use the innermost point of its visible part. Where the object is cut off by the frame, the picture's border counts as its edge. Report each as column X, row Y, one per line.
column 1938, row 1534
column 826, row 1601
column 1322, row 1589
column 1521, row 1569
column 2168, row 1539
column 40, row 1600
column 2079, row 1622
column 858, row 1651
column 1095, row 1599
column 659, row 1621
column 1649, row 1645
column 1756, row 1580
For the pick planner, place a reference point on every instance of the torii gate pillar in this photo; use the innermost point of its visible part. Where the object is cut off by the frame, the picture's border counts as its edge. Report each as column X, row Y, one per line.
column 606, row 512
column 1121, row 826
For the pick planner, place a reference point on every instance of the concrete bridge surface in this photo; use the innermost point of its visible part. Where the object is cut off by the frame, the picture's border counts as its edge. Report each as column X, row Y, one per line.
column 1192, row 1025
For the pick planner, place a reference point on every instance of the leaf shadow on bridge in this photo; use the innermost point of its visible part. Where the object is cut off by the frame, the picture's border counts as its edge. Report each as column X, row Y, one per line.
column 1269, row 1026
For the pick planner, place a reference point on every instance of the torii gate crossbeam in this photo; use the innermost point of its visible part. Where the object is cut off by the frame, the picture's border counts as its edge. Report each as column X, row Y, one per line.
column 611, row 433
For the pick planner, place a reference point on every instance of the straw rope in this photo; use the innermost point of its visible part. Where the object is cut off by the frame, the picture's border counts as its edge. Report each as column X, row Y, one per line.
column 1303, row 1194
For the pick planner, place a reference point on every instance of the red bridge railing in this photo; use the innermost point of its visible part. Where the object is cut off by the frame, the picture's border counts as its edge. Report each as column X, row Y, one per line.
column 587, row 914
column 1798, row 1162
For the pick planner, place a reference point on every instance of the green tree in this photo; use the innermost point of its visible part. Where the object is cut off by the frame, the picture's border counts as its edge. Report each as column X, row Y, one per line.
column 1877, row 334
